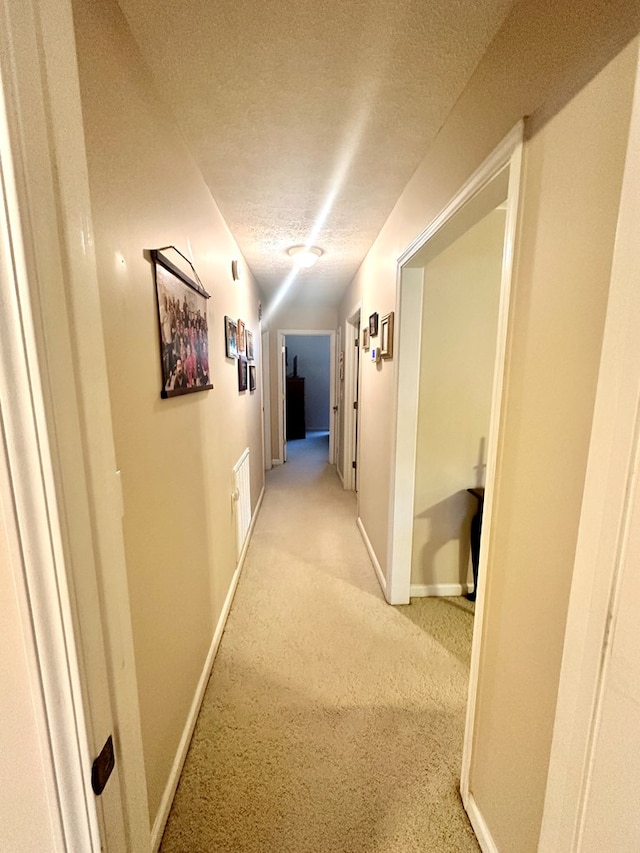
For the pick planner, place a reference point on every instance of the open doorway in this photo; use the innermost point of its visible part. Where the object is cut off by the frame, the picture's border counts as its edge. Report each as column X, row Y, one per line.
column 422, row 524
column 306, row 386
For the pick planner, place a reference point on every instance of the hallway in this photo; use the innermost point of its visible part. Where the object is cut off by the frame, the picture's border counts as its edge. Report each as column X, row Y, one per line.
column 332, row 722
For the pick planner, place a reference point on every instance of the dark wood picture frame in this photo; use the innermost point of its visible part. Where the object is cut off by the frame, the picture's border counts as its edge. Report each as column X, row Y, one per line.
column 242, row 373
column 373, row 325
column 182, row 322
column 230, row 337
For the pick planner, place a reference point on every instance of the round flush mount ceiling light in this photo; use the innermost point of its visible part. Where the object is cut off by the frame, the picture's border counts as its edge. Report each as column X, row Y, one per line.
column 304, row 256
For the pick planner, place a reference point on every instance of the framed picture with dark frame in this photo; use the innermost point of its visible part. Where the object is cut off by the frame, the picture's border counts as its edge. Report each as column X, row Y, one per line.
column 242, row 373
column 373, row 325
column 231, row 337
column 249, row 344
column 386, row 336
column 252, row 377
column 182, row 321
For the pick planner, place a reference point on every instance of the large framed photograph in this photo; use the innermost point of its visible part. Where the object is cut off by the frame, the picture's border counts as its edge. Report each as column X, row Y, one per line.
column 182, row 320
column 386, row 336
column 242, row 373
column 231, row 337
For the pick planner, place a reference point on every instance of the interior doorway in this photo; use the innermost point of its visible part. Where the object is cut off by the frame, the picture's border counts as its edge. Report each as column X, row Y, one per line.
column 349, row 461
column 496, row 182
column 306, row 386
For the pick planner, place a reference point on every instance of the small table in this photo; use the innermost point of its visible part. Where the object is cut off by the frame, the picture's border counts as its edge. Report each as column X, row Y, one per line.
column 476, row 532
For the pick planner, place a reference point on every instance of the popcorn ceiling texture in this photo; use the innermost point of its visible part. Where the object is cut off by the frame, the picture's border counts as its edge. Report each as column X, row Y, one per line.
column 332, row 722
column 307, row 118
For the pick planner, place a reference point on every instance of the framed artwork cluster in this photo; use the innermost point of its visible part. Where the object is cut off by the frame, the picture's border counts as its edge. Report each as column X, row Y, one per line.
column 239, row 346
column 385, row 328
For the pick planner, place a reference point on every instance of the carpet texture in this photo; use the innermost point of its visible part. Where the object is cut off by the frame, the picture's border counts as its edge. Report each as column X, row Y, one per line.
column 332, row 723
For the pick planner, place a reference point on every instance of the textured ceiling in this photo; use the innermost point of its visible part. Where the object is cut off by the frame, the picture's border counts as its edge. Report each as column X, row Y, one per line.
column 308, row 117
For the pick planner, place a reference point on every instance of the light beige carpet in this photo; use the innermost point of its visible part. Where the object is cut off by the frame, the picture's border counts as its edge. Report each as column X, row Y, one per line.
column 332, row 722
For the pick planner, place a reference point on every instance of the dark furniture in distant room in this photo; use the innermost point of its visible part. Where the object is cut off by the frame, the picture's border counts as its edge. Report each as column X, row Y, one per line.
column 296, row 427
column 476, row 533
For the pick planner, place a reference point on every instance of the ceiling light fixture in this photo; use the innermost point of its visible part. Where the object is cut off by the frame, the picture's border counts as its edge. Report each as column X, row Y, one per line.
column 304, row 256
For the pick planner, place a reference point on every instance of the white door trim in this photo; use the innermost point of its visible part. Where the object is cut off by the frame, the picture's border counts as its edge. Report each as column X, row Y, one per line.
column 266, row 400
column 282, row 333
column 65, row 425
column 508, row 155
column 610, row 481
column 350, row 396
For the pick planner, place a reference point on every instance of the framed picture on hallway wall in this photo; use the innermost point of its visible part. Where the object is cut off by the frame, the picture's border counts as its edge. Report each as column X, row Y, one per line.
column 373, row 325
column 386, row 336
column 231, row 337
column 241, row 336
column 252, row 377
column 242, row 373
column 249, row 343
column 365, row 339
column 182, row 320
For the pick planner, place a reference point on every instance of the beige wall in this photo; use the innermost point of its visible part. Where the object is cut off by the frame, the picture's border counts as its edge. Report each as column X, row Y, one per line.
column 25, row 822
column 542, row 58
column 459, row 330
column 176, row 456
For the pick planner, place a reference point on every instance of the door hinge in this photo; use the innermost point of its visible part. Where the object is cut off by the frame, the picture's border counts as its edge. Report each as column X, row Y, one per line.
column 355, row 404
column 356, row 342
column 102, row 767
column 353, row 465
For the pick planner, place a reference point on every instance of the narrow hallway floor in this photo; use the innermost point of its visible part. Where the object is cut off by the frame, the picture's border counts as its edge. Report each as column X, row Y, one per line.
column 332, row 723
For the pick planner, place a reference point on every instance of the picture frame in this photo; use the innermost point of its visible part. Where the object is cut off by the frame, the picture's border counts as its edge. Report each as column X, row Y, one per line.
column 252, row 377
column 249, row 344
column 365, row 339
column 242, row 373
column 386, row 336
column 241, row 337
column 231, row 337
column 373, row 325
column 182, row 324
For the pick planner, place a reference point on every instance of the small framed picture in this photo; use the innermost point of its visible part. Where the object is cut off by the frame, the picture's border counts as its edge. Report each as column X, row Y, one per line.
column 241, row 337
column 365, row 339
column 231, row 337
column 249, row 343
column 386, row 336
column 252, row 377
column 242, row 373
column 373, row 325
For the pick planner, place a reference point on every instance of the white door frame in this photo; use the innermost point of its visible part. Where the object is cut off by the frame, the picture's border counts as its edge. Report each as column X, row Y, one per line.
column 351, row 368
column 508, row 155
column 266, row 401
column 282, row 333
column 602, row 555
column 56, row 415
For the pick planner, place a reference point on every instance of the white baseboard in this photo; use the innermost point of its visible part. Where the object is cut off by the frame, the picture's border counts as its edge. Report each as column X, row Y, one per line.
column 374, row 560
column 485, row 840
column 419, row 590
column 339, row 472
column 275, row 462
column 181, row 754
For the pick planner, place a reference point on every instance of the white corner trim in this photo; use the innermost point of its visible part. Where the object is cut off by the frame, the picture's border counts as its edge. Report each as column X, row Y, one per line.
column 421, row 590
column 183, row 747
column 275, row 462
column 479, row 825
column 372, row 555
column 340, row 477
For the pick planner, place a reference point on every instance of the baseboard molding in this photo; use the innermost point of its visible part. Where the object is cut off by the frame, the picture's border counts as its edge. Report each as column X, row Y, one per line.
column 485, row 840
column 275, row 462
column 339, row 472
column 183, row 747
column 374, row 560
column 419, row 590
